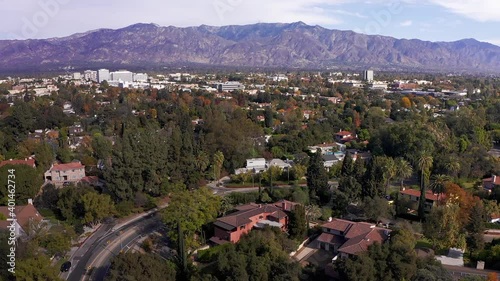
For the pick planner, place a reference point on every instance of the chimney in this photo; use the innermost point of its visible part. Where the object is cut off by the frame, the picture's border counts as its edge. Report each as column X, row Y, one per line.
column 494, row 179
column 30, row 201
column 283, row 205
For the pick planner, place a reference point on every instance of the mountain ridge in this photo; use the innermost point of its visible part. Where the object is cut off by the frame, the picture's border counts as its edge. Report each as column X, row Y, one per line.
column 281, row 45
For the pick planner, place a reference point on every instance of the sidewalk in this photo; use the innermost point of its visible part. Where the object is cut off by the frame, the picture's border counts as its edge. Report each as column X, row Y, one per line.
column 124, row 221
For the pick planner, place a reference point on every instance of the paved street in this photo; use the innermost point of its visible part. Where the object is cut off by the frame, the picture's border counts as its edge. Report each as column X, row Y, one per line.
column 110, row 247
column 107, row 232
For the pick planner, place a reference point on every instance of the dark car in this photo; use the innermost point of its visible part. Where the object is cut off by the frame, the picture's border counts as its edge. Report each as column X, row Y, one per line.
column 65, row 266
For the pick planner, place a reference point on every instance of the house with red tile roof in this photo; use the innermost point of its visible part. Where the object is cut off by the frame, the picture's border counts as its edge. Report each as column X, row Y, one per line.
column 60, row 174
column 24, row 216
column 490, row 183
column 345, row 137
column 231, row 227
column 30, row 161
column 346, row 238
column 431, row 199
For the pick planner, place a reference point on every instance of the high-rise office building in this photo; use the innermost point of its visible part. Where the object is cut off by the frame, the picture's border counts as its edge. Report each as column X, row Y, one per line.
column 140, row 77
column 122, row 75
column 103, row 74
column 368, row 75
column 90, row 75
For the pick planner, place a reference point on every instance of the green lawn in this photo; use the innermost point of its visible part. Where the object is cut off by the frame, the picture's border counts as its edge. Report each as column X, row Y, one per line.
column 423, row 243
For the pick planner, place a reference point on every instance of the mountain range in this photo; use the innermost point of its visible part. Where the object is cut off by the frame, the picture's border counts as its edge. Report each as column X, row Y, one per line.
column 263, row 45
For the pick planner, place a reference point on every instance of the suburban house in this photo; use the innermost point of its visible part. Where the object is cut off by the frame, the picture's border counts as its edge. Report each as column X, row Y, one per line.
column 257, row 165
column 327, row 148
column 75, row 130
column 330, row 160
column 490, row 183
column 356, row 154
column 231, row 227
column 30, row 161
column 279, row 163
column 346, row 238
column 345, row 136
column 431, row 199
column 24, row 216
column 60, row 174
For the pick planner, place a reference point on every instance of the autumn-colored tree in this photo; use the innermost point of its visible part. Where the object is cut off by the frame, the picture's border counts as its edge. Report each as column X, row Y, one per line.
column 405, row 102
column 493, row 276
column 357, row 119
column 458, row 196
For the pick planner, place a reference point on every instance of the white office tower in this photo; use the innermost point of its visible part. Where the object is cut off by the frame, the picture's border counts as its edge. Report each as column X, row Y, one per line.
column 140, row 77
column 77, row 76
column 90, row 75
column 122, row 75
column 368, row 75
column 102, row 75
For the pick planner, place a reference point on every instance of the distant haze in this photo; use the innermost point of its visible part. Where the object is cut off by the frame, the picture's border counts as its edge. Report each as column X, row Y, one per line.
column 294, row 45
column 434, row 20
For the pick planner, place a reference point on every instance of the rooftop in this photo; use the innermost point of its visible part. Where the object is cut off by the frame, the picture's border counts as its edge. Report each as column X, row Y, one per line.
column 23, row 214
column 67, row 166
column 355, row 236
column 28, row 161
column 245, row 212
column 429, row 195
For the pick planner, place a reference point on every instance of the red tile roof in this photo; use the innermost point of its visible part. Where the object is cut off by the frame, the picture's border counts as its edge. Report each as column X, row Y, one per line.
column 23, row 214
column 245, row 212
column 429, row 195
column 361, row 242
column 68, row 166
column 338, row 225
column 344, row 133
column 331, row 239
column 494, row 180
column 92, row 180
column 286, row 205
column 355, row 236
column 29, row 161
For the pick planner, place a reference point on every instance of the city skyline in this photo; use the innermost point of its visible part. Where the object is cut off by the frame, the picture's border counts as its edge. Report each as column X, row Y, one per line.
column 434, row 20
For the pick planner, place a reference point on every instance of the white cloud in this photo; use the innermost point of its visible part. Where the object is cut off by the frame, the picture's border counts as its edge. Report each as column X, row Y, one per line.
column 479, row 10
column 492, row 41
column 406, row 23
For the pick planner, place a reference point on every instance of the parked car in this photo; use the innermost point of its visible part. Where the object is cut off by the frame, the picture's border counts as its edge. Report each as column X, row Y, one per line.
column 66, row 266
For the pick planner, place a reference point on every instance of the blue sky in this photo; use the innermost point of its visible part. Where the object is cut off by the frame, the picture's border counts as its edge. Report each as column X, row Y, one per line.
column 435, row 20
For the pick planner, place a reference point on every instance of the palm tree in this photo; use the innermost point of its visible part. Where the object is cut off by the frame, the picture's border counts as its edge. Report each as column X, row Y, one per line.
column 453, row 167
column 424, row 164
column 313, row 212
column 390, row 171
column 403, row 170
column 202, row 161
column 438, row 184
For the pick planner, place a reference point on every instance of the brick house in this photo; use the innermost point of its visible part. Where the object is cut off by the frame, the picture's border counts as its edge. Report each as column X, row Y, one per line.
column 346, row 238
column 60, row 174
column 230, row 228
column 24, row 216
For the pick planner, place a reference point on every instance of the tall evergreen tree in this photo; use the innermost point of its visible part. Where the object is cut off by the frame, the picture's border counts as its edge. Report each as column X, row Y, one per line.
column 476, row 226
column 347, row 166
column 317, row 178
column 297, row 226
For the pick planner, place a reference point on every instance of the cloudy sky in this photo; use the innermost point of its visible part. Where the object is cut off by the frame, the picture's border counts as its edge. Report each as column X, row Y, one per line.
column 436, row 20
